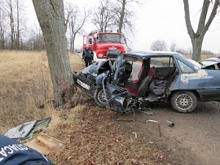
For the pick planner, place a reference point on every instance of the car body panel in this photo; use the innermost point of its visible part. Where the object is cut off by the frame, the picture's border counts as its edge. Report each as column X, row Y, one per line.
column 211, row 63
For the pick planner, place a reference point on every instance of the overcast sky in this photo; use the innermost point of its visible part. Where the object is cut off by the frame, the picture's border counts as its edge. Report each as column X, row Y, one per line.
column 154, row 20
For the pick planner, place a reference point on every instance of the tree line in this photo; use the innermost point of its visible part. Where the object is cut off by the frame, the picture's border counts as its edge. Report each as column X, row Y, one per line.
column 108, row 14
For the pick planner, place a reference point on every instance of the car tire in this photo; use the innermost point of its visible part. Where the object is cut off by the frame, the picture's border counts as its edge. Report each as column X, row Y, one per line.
column 184, row 101
column 99, row 97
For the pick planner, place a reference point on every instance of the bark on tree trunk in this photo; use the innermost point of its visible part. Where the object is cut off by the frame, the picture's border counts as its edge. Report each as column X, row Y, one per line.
column 197, row 47
column 18, row 26
column 73, row 43
column 50, row 15
column 122, row 15
column 12, row 26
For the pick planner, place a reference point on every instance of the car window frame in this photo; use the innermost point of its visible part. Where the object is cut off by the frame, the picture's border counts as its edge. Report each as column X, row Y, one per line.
column 179, row 68
column 165, row 56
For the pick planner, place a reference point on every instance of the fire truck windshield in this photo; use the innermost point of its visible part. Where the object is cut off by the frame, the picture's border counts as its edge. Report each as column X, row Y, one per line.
column 109, row 38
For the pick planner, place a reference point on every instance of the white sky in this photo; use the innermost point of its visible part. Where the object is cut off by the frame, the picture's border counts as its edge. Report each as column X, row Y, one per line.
column 154, row 20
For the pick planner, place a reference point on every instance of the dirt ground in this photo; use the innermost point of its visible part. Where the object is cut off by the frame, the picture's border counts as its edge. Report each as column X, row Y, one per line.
column 90, row 136
column 198, row 131
column 195, row 138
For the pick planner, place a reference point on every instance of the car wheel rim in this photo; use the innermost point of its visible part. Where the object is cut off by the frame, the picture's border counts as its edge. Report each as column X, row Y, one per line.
column 101, row 97
column 184, row 102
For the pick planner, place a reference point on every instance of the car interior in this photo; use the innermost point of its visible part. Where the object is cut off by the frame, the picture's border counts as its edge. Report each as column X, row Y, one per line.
column 214, row 67
column 148, row 76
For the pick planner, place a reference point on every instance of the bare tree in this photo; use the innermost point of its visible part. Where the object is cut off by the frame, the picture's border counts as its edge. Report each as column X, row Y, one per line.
column 2, row 27
column 159, row 45
column 35, row 40
column 203, row 26
column 12, row 10
column 50, row 15
column 12, row 23
column 123, row 15
column 75, row 21
column 103, row 17
column 18, row 25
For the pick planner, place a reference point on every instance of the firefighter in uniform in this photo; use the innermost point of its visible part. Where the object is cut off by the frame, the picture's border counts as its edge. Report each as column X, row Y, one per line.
column 15, row 153
column 87, row 56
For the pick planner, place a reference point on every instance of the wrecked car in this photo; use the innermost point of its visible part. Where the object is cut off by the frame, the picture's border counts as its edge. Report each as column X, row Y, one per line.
column 211, row 63
column 125, row 82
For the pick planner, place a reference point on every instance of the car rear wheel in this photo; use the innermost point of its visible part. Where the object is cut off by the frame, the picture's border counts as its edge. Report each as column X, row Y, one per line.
column 100, row 98
column 184, row 102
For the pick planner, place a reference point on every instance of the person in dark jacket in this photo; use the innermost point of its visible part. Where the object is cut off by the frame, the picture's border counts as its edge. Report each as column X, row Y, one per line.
column 15, row 153
column 87, row 56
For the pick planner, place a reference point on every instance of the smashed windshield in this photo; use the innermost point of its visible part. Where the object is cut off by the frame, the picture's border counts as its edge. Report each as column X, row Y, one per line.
column 109, row 38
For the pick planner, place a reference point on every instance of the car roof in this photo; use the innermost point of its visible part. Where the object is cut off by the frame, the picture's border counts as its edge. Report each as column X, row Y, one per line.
column 146, row 54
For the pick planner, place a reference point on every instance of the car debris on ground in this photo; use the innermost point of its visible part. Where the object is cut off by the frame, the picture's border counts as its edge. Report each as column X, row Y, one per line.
column 26, row 130
column 45, row 144
column 135, row 134
column 170, row 123
column 30, row 133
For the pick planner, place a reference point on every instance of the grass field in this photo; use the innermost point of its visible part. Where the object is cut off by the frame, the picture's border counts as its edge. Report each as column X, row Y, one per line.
column 25, row 86
column 89, row 134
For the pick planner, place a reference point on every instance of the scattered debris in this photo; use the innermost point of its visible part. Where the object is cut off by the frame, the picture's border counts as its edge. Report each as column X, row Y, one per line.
column 170, row 123
column 135, row 134
column 152, row 121
column 45, row 144
column 26, row 130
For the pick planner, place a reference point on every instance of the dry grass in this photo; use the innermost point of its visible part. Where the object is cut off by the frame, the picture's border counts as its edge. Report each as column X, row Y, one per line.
column 25, row 86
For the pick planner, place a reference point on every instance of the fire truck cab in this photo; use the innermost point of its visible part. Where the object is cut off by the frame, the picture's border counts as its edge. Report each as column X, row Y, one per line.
column 102, row 42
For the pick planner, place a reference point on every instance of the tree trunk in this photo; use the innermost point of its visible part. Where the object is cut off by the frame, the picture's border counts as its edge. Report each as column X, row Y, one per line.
column 18, row 26
column 50, row 15
column 197, row 47
column 12, row 26
column 73, row 43
column 2, row 41
column 122, row 15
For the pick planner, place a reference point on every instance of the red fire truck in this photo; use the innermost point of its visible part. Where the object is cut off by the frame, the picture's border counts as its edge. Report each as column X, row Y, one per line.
column 101, row 42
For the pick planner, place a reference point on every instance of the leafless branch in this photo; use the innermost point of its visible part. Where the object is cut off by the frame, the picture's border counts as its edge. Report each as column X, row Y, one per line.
column 187, row 18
